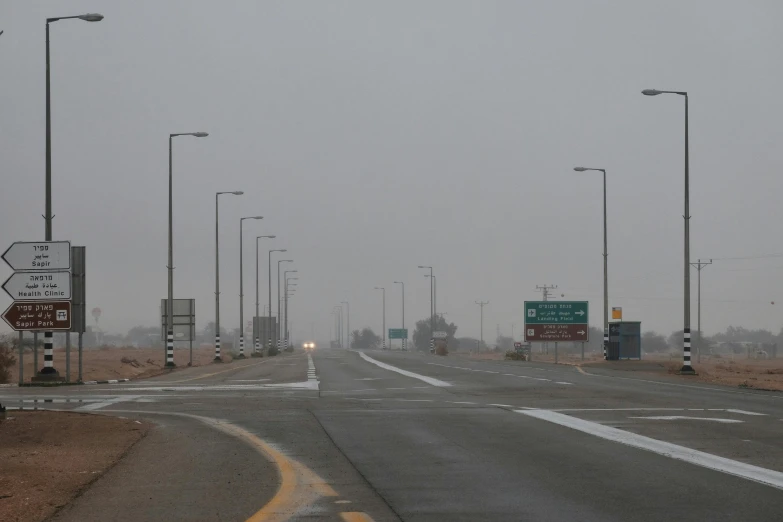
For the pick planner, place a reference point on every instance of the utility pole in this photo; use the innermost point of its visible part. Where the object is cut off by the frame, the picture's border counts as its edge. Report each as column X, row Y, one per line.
column 481, row 305
column 545, row 289
column 698, row 266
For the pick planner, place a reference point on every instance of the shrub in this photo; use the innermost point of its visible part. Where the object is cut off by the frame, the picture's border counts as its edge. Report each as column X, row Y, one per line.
column 7, row 361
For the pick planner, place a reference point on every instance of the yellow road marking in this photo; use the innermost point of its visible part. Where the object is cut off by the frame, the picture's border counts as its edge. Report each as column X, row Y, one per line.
column 355, row 516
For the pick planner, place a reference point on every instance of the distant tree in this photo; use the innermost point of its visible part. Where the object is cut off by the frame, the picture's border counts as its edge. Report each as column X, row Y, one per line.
column 423, row 332
column 675, row 340
column 653, row 342
column 465, row 343
column 365, row 339
column 143, row 335
column 7, row 359
column 504, row 343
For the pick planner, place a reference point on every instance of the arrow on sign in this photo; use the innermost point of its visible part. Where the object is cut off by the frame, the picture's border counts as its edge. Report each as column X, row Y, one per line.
column 581, row 332
column 580, row 312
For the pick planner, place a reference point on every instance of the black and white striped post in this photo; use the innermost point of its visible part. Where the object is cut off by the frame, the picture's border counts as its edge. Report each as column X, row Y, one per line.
column 218, row 358
column 169, row 348
column 217, row 348
column 606, row 341
column 48, row 354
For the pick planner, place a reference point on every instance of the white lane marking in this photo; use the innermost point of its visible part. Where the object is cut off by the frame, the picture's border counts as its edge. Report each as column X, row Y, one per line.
column 502, row 405
column 560, row 382
column 108, row 402
column 743, row 412
column 683, row 417
column 414, row 400
column 667, row 449
column 428, row 380
column 461, row 402
column 369, row 379
column 248, row 380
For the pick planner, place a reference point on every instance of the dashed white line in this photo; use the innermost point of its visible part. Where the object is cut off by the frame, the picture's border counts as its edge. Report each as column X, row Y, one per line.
column 428, row 380
column 683, row 417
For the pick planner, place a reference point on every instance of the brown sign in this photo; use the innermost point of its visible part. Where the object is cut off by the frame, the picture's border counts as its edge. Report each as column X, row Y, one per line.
column 39, row 315
column 556, row 332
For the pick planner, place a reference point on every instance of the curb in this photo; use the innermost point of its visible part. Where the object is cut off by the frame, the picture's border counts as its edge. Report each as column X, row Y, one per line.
column 110, row 381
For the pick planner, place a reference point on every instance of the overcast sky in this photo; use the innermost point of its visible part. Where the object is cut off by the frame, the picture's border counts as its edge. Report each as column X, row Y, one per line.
column 378, row 136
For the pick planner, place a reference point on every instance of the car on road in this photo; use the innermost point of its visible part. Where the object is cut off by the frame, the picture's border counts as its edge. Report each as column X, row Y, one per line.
column 309, row 346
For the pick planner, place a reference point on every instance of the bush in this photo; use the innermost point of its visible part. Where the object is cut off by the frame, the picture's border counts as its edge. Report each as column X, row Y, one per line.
column 515, row 356
column 7, row 361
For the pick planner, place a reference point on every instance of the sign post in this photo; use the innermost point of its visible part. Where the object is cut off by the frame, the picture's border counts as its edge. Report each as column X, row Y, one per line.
column 398, row 333
column 556, row 321
column 41, row 289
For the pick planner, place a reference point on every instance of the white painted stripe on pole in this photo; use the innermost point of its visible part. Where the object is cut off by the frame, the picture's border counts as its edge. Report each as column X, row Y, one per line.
column 428, row 380
column 667, row 449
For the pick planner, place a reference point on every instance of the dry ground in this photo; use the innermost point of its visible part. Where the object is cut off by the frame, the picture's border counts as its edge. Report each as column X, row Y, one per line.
column 107, row 363
column 49, row 457
column 763, row 374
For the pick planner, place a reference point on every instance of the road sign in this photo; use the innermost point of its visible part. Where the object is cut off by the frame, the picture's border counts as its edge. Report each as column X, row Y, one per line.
column 556, row 332
column 39, row 286
column 398, row 333
column 41, row 255
column 556, row 312
column 39, row 315
column 617, row 312
column 439, row 335
column 556, row 321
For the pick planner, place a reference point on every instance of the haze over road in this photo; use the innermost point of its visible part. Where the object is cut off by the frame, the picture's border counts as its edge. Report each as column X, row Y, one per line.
column 403, row 436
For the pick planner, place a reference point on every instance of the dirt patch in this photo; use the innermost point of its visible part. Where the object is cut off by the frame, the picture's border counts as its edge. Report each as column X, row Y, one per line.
column 762, row 374
column 49, row 457
column 118, row 363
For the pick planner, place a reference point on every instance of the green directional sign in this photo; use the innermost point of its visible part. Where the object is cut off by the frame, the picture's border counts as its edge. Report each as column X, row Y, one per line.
column 556, row 312
column 398, row 333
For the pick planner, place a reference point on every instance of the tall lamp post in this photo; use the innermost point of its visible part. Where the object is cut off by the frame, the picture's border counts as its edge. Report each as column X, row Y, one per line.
column 170, row 300
column 218, row 357
column 606, row 270
column 285, row 306
column 279, row 298
column 347, row 320
column 687, row 367
column 699, row 265
column 242, row 288
column 481, row 305
column 271, row 324
column 384, row 314
column 48, row 368
column 432, row 309
column 403, row 312
column 257, row 327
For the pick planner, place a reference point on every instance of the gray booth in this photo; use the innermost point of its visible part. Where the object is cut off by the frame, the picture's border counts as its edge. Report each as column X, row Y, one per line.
column 625, row 340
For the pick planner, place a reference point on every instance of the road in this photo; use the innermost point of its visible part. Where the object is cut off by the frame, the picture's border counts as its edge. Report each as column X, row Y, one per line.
column 385, row 436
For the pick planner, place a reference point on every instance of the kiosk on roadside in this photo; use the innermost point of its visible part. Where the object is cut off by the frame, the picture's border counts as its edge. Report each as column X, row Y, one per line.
column 625, row 340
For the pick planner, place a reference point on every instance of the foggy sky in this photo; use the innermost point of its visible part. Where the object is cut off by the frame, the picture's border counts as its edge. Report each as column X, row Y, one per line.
column 378, row 136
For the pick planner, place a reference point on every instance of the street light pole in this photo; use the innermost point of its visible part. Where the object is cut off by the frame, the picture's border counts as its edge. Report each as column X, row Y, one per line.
column 285, row 310
column 279, row 298
column 242, row 288
column 170, row 300
column 256, row 324
column 384, row 315
column 403, row 312
column 432, row 309
column 48, row 368
column 348, row 320
column 481, row 305
column 606, row 269
column 218, row 357
column 687, row 367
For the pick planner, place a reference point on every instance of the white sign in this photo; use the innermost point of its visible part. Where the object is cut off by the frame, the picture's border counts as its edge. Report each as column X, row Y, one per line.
column 439, row 335
column 43, row 255
column 38, row 286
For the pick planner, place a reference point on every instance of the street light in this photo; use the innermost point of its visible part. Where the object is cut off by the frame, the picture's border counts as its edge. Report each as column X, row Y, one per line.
column 279, row 297
column 48, row 368
column 242, row 287
column 257, row 327
column 687, row 368
column 337, row 311
column 347, row 320
column 606, row 269
column 403, row 313
column 432, row 309
column 269, row 266
column 170, row 300
column 218, row 357
column 481, row 305
column 285, row 311
column 384, row 314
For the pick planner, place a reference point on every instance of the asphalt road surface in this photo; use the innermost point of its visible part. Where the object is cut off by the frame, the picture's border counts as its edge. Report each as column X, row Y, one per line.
column 382, row 436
